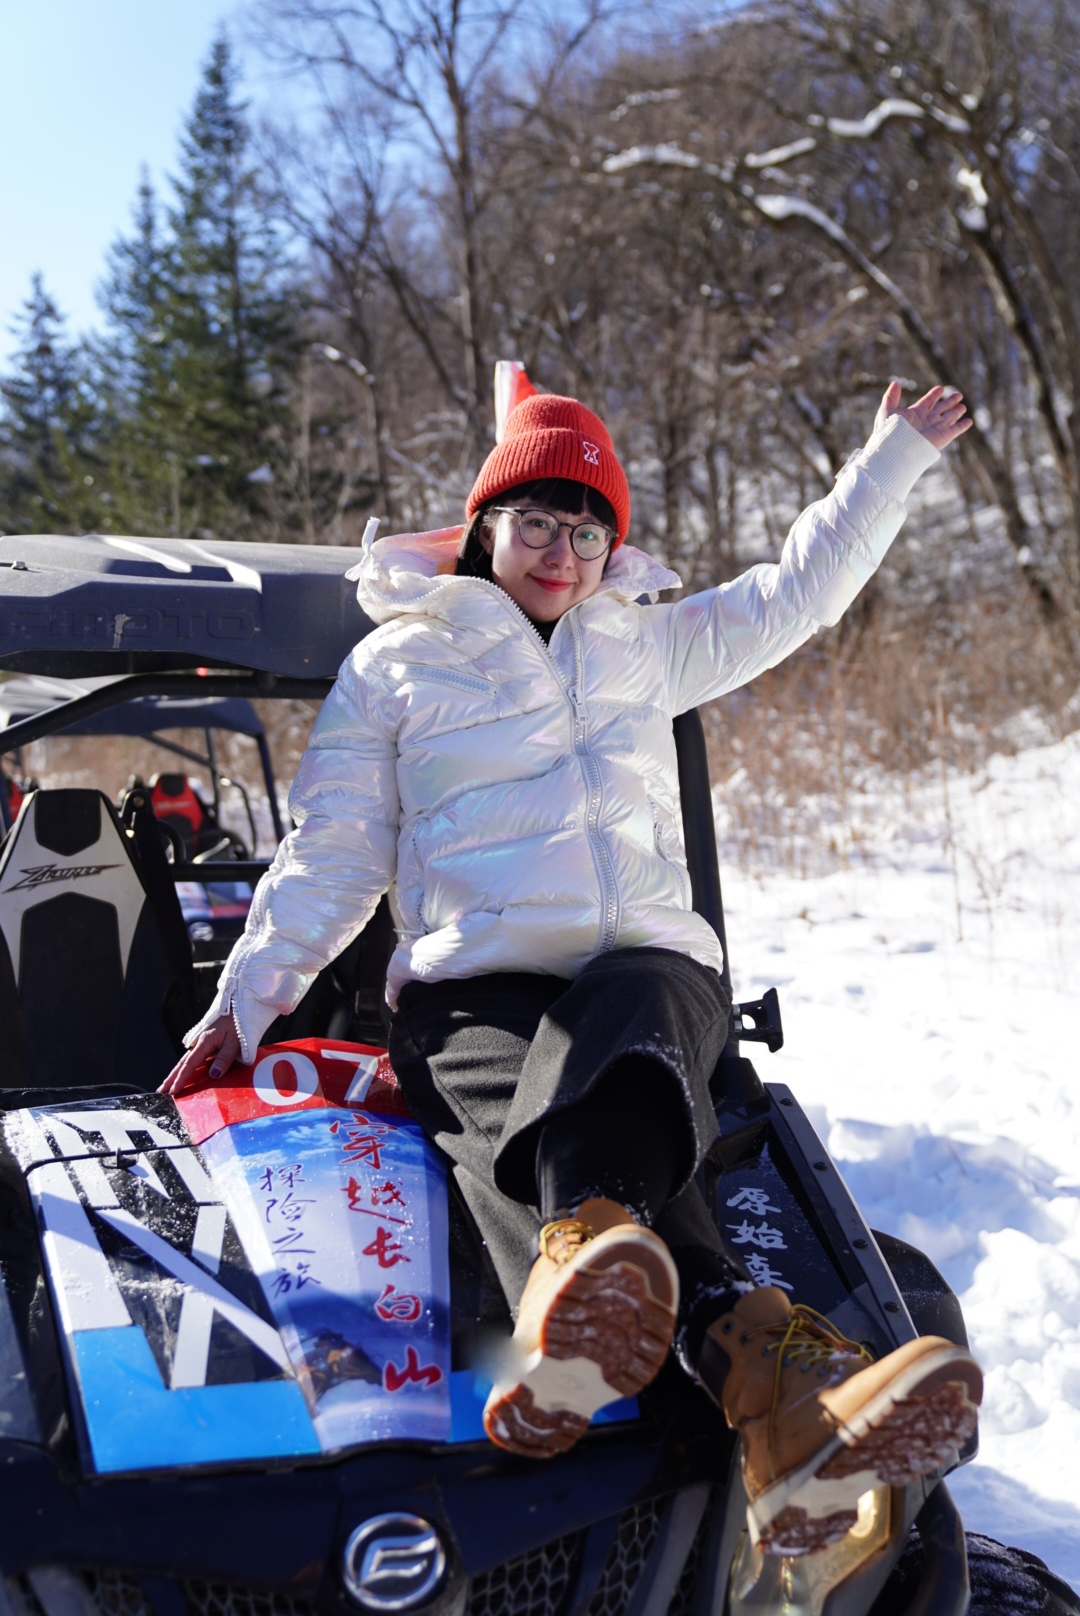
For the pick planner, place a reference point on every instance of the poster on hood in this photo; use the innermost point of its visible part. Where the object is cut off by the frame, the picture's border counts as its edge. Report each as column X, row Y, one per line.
column 256, row 1271
column 341, row 1208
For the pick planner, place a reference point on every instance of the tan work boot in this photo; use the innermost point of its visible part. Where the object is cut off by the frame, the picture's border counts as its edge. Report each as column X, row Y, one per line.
column 595, row 1324
column 822, row 1423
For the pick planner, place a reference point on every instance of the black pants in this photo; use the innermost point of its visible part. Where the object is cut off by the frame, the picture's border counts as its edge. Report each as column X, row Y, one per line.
column 544, row 1092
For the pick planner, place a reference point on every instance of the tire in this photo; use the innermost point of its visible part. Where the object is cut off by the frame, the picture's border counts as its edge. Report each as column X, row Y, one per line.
column 1004, row 1582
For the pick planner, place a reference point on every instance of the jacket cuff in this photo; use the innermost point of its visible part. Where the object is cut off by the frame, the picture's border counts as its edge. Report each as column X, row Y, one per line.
column 896, row 458
column 251, row 1017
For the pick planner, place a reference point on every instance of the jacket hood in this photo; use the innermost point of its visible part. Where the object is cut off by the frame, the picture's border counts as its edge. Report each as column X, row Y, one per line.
column 414, row 572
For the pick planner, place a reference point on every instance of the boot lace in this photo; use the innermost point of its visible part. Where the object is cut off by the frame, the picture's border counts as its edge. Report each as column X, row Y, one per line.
column 810, row 1339
column 561, row 1239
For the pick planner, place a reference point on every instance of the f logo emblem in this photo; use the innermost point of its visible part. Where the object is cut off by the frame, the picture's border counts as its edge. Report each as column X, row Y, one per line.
column 592, row 452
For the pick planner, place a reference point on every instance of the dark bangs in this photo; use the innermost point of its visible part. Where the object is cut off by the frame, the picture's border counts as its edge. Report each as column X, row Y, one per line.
column 561, row 494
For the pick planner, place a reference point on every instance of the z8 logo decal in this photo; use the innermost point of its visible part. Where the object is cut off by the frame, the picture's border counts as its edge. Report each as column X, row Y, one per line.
column 43, row 875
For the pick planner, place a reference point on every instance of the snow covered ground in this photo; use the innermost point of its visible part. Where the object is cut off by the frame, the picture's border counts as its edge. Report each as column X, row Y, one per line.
column 930, row 989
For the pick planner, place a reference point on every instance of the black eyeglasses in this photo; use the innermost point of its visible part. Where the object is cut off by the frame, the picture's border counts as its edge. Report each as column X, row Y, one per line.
column 538, row 529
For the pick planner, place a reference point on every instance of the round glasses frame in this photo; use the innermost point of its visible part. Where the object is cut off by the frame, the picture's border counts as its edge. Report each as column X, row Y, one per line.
column 588, row 554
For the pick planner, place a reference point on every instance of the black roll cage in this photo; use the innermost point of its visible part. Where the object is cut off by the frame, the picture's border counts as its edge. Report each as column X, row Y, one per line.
column 65, row 715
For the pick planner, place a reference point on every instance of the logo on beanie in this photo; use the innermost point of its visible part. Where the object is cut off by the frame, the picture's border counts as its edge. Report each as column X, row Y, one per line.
column 592, row 452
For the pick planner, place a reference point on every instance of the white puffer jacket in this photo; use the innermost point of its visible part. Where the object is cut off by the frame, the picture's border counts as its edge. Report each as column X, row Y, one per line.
column 525, row 796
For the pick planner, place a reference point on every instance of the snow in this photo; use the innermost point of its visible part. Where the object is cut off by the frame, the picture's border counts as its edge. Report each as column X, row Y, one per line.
column 671, row 154
column 781, row 154
column 894, row 107
column 667, row 152
column 862, row 128
column 643, row 98
column 790, row 207
column 972, row 217
column 929, row 975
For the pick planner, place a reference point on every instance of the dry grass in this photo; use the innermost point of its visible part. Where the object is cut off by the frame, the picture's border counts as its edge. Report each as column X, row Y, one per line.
column 792, row 753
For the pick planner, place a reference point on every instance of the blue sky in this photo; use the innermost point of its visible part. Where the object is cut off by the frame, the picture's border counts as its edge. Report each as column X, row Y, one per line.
column 89, row 91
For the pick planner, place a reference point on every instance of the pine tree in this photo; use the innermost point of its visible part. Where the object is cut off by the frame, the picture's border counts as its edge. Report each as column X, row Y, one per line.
column 146, row 414
column 48, row 428
column 205, row 341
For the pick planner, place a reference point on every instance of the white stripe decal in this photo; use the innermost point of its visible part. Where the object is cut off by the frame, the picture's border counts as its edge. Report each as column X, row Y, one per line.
column 264, row 1335
column 87, row 1295
column 197, row 1309
column 192, row 1348
column 197, row 1181
column 95, row 1186
column 209, row 1237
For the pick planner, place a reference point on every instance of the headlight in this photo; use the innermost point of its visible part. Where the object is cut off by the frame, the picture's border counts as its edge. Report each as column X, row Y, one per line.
column 393, row 1562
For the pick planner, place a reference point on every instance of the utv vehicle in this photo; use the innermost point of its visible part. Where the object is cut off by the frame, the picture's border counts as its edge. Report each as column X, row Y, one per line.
column 243, row 1335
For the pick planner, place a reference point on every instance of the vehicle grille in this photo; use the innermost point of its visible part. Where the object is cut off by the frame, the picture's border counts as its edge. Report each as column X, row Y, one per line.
column 626, row 1557
column 236, row 1599
column 119, row 1593
column 115, row 1594
column 684, row 1597
column 538, row 1583
column 534, row 1585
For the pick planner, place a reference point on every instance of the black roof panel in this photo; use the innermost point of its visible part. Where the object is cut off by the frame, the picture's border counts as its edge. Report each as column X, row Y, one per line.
column 74, row 607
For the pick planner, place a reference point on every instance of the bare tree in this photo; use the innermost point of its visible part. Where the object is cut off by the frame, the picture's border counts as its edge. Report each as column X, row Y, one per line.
column 950, row 98
column 432, row 86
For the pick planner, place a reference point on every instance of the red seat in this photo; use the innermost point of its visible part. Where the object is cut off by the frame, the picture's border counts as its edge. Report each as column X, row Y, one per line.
column 176, row 802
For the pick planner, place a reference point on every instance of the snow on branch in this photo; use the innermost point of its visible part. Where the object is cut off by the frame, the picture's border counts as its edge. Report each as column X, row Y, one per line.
column 893, row 107
column 862, row 128
column 744, row 19
column 973, row 215
column 336, row 357
column 781, row 154
column 949, row 121
column 643, row 98
column 666, row 152
column 788, row 207
column 779, row 208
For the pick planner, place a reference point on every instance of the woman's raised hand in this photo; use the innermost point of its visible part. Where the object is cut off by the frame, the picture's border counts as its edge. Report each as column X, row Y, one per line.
column 219, row 1040
column 939, row 415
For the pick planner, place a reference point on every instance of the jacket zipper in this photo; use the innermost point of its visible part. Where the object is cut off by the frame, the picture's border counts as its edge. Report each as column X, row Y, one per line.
column 590, row 769
column 594, row 786
column 419, row 905
column 449, row 676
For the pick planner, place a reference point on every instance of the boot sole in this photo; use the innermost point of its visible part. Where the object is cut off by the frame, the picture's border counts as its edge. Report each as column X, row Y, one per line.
column 912, row 1428
column 604, row 1335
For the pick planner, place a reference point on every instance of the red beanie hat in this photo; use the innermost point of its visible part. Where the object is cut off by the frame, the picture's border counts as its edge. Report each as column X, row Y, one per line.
column 549, row 436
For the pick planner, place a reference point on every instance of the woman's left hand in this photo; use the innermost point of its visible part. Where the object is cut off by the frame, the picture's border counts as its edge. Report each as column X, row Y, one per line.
column 219, row 1040
column 939, row 415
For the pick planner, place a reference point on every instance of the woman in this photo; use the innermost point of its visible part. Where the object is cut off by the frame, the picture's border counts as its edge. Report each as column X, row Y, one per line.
column 501, row 748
